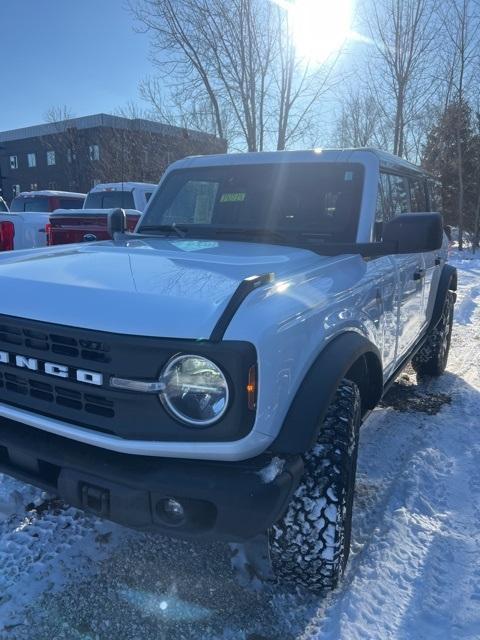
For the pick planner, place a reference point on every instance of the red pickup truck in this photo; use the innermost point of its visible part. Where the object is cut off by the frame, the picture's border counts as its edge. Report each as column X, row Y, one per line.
column 86, row 225
column 90, row 223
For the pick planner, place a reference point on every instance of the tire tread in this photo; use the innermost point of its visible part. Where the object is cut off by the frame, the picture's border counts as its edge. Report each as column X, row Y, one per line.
column 309, row 546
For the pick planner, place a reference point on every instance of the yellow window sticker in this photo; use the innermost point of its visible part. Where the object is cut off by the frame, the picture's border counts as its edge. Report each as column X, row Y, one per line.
column 233, row 197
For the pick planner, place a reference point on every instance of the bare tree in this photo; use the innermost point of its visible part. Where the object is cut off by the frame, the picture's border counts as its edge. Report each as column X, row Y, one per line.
column 300, row 84
column 401, row 72
column 58, row 114
column 66, row 141
column 127, row 147
column 234, row 63
column 361, row 122
column 179, row 107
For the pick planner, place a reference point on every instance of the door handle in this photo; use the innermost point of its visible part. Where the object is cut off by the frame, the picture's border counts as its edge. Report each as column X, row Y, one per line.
column 419, row 274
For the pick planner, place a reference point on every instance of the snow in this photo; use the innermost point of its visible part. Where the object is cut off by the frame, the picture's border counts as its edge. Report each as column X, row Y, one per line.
column 272, row 470
column 413, row 574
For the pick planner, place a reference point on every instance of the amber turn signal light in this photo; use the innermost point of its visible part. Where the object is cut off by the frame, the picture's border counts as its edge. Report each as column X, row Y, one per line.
column 252, row 388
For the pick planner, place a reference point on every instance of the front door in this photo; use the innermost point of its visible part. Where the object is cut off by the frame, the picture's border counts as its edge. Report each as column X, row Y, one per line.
column 394, row 199
column 411, row 306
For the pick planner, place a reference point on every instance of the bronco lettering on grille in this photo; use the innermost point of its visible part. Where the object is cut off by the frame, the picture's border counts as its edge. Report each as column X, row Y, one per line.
column 51, row 368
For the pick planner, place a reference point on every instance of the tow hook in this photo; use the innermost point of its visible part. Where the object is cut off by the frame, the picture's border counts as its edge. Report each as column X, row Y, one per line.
column 95, row 499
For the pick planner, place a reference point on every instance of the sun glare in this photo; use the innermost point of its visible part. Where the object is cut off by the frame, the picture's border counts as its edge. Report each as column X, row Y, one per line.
column 320, row 27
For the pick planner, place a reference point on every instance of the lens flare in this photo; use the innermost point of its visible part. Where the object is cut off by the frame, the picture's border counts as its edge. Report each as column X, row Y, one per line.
column 320, row 27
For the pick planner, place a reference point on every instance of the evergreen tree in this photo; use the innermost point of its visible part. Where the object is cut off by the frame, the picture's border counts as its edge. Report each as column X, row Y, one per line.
column 455, row 126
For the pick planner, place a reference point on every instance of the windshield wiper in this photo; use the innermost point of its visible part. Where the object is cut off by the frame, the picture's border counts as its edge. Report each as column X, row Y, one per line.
column 315, row 235
column 165, row 229
column 252, row 233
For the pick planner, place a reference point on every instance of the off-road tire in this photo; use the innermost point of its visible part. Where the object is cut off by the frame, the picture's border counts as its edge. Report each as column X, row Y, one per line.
column 432, row 358
column 309, row 546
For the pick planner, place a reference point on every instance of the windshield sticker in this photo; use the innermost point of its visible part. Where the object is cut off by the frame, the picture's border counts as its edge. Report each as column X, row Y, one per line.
column 348, row 176
column 233, row 197
column 193, row 245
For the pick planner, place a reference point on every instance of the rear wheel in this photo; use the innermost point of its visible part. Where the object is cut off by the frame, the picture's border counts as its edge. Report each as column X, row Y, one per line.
column 309, row 546
column 432, row 358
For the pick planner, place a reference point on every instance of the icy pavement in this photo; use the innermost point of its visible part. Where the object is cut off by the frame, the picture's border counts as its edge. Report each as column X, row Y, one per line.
column 414, row 572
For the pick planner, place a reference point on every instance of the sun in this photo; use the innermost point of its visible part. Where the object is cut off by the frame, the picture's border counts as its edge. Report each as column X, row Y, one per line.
column 320, row 27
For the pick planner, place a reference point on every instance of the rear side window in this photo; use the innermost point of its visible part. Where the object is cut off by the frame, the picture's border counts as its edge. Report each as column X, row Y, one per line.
column 397, row 194
column 110, row 200
column 435, row 195
column 70, row 203
column 37, row 203
column 399, row 197
column 418, row 196
column 383, row 209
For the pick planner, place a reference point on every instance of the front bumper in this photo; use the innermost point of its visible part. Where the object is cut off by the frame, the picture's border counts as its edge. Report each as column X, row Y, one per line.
column 248, row 447
column 233, row 501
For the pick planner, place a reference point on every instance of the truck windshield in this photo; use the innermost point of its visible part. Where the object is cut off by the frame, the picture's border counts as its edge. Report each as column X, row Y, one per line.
column 30, row 203
column 110, row 200
column 313, row 198
column 70, row 203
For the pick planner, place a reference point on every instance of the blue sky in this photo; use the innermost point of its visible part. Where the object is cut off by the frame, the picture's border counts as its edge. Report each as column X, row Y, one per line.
column 82, row 53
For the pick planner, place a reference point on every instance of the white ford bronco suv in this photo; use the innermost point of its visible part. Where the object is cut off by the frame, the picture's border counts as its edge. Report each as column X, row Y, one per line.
column 206, row 375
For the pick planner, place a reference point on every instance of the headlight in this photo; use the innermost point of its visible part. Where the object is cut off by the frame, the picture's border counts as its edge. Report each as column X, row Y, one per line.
column 196, row 391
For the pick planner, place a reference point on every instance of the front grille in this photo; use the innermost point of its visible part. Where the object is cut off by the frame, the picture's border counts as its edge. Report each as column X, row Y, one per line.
column 54, row 394
column 126, row 414
column 90, row 350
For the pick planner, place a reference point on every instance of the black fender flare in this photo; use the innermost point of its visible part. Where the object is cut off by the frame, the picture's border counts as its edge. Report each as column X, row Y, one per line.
column 340, row 356
column 447, row 282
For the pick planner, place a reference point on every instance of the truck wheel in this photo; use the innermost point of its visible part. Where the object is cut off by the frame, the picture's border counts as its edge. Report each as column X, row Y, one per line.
column 432, row 358
column 309, row 546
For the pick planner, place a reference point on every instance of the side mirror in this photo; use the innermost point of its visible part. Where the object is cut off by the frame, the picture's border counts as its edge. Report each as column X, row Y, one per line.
column 116, row 222
column 413, row 233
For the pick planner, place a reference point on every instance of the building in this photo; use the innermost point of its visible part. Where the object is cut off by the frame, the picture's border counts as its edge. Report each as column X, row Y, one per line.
column 76, row 154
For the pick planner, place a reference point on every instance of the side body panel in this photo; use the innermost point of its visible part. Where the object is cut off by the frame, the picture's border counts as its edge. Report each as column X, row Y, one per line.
column 291, row 322
column 434, row 263
column 411, row 310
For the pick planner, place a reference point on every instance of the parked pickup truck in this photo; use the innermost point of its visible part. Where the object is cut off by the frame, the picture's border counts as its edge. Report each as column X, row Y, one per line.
column 24, row 226
column 207, row 375
column 90, row 224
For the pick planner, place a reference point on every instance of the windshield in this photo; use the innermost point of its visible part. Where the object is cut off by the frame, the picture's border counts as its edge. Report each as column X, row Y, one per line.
column 70, row 203
column 319, row 198
column 110, row 200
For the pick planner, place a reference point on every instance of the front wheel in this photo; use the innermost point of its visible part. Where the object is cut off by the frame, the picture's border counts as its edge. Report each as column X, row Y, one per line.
column 309, row 546
column 432, row 358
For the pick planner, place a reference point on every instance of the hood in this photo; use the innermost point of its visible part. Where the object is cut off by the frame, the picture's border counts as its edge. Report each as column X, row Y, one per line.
column 161, row 287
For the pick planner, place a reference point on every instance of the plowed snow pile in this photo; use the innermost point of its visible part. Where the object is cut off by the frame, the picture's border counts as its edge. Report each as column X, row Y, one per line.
column 414, row 571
